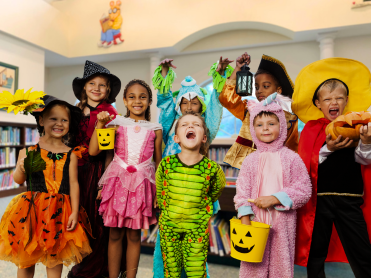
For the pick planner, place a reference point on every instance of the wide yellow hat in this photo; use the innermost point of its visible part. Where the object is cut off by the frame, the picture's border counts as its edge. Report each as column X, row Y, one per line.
column 354, row 74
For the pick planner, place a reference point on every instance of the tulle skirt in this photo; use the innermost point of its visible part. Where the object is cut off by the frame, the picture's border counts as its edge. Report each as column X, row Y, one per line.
column 122, row 208
column 34, row 230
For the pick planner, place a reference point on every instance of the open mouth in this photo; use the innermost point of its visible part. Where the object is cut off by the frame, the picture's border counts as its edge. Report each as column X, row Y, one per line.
column 242, row 249
column 57, row 130
column 334, row 112
column 191, row 135
column 104, row 144
column 137, row 107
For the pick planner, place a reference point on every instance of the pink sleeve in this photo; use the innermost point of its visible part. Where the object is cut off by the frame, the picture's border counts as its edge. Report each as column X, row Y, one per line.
column 243, row 187
column 299, row 189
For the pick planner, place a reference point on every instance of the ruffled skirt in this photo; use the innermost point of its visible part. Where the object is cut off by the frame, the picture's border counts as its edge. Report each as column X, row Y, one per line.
column 35, row 231
column 123, row 208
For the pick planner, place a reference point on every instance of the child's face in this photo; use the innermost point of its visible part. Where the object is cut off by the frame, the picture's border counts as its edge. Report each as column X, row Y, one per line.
column 96, row 89
column 265, row 85
column 267, row 128
column 190, row 133
column 332, row 104
column 192, row 105
column 137, row 100
column 56, row 123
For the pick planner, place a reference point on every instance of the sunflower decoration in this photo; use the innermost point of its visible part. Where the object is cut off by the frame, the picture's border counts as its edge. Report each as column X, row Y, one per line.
column 21, row 101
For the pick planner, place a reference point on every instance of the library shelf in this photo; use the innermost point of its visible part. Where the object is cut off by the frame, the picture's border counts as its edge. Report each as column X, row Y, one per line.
column 13, row 191
column 7, row 167
column 22, row 144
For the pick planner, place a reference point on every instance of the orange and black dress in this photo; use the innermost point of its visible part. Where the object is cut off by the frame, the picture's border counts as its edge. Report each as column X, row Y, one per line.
column 33, row 227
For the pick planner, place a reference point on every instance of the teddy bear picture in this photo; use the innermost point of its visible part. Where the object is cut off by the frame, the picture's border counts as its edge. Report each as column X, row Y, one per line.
column 111, row 26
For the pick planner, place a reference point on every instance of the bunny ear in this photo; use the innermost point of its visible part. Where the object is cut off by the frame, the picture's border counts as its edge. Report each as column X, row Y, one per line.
column 284, row 102
column 251, row 104
column 269, row 99
column 118, row 3
column 112, row 3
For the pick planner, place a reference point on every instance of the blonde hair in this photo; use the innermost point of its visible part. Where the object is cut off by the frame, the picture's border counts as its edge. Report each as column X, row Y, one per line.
column 331, row 85
column 84, row 97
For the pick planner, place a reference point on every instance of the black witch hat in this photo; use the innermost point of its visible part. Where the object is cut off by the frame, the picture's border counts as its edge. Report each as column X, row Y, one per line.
column 75, row 118
column 92, row 69
column 276, row 68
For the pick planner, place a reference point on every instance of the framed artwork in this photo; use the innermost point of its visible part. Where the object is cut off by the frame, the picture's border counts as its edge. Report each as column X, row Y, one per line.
column 8, row 78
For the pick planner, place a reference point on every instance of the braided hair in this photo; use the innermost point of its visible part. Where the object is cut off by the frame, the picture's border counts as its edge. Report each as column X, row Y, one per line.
column 145, row 85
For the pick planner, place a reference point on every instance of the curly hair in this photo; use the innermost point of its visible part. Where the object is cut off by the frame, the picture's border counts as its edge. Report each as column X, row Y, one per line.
column 204, row 146
column 148, row 88
column 84, row 97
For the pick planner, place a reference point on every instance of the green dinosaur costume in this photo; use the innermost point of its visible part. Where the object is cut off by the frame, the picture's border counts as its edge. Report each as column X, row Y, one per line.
column 185, row 194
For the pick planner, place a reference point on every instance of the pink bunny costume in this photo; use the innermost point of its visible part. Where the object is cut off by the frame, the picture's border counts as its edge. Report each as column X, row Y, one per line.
column 273, row 170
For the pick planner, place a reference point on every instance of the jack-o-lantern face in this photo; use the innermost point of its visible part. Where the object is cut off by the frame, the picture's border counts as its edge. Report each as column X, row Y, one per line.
column 106, row 138
column 243, row 240
column 348, row 125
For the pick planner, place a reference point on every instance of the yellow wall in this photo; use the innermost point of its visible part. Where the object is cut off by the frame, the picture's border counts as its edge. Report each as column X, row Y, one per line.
column 71, row 27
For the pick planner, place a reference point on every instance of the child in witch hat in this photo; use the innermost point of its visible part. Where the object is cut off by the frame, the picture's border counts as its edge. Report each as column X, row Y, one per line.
column 96, row 91
column 337, row 217
column 270, row 78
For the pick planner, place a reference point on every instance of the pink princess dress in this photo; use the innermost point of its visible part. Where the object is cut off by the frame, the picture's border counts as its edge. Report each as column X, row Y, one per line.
column 129, row 186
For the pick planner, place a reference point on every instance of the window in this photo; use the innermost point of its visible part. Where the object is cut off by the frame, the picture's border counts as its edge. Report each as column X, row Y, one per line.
column 230, row 125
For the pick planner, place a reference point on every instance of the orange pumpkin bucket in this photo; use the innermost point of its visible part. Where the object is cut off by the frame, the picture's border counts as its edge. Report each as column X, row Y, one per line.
column 348, row 125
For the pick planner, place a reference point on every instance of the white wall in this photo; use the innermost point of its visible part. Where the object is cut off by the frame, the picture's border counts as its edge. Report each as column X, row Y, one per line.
column 357, row 48
column 294, row 56
column 30, row 61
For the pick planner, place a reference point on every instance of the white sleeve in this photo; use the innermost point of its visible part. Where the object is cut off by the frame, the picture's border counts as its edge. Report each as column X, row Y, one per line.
column 363, row 153
column 324, row 152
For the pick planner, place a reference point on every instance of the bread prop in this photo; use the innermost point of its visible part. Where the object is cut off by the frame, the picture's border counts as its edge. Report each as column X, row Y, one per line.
column 348, row 126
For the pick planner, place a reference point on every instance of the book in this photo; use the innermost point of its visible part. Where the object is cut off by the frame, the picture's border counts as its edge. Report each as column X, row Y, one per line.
column 212, row 247
column 6, row 180
column 218, row 238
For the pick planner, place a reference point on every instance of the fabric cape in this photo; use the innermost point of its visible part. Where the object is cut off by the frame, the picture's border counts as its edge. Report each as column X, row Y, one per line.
column 311, row 140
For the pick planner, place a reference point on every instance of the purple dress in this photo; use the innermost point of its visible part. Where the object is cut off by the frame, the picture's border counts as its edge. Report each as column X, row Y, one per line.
column 129, row 186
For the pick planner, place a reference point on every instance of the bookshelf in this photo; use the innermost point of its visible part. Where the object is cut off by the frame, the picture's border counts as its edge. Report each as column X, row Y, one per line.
column 13, row 138
column 217, row 152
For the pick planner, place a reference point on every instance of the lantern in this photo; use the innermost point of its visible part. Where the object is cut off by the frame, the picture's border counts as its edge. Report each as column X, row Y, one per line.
column 244, row 81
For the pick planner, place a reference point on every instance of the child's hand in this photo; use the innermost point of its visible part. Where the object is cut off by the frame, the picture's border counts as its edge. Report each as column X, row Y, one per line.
column 334, row 145
column 167, row 63
column 365, row 132
column 155, row 204
column 99, row 196
column 72, row 221
column 242, row 60
column 103, row 118
column 245, row 220
column 223, row 65
column 265, row 202
column 21, row 165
